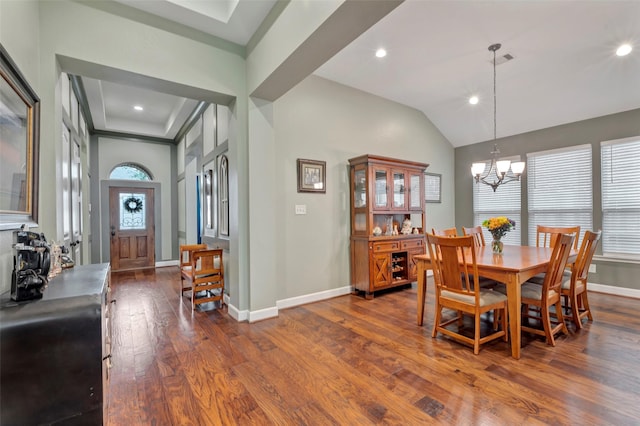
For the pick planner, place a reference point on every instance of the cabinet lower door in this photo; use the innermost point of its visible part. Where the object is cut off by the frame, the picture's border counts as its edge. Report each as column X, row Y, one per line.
column 381, row 269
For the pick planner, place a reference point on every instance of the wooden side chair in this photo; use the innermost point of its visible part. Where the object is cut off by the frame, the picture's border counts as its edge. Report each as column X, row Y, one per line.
column 186, row 251
column 546, row 236
column 548, row 294
column 449, row 232
column 207, row 275
column 575, row 289
column 457, row 288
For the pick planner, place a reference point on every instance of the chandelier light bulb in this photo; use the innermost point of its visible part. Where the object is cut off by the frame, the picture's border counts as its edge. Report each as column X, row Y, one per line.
column 624, row 50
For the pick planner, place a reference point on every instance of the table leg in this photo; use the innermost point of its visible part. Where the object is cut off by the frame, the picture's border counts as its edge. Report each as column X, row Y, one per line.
column 514, row 300
column 422, row 289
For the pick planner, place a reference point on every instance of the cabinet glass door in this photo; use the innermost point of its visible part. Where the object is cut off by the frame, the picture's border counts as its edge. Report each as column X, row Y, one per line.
column 398, row 190
column 381, row 189
column 359, row 188
column 414, row 192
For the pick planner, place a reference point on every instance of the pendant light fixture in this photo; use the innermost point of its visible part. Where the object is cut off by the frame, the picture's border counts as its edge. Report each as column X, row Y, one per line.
column 498, row 170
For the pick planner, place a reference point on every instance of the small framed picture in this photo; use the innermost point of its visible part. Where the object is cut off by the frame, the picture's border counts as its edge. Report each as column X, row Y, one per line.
column 432, row 187
column 312, row 176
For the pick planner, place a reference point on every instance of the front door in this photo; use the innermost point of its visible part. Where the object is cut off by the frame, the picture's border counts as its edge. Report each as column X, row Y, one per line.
column 132, row 228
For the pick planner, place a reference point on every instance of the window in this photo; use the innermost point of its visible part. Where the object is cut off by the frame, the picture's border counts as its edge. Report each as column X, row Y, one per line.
column 223, row 191
column 505, row 201
column 130, row 171
column 621, row 197
column 560, row 189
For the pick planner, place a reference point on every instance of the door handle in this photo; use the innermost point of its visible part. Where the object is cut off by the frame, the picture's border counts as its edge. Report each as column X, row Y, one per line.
column 113, row 231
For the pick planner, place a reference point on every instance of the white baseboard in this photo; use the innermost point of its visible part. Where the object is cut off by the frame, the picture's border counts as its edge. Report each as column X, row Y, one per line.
column 313, row 297
column 616, row 291
column 272, row 312
column 164, row 263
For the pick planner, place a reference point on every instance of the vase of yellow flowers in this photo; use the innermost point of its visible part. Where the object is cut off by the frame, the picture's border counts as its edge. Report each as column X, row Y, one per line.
column 498, row 226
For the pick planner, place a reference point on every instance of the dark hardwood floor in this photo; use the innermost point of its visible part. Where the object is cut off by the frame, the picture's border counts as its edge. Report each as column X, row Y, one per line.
column 351, row 361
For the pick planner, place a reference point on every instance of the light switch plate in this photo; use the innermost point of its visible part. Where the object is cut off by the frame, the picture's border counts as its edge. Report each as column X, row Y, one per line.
column 592, row 268
column 301, row 209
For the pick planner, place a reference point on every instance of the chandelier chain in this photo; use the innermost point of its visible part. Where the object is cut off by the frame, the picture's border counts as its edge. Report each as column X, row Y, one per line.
column 495, row 120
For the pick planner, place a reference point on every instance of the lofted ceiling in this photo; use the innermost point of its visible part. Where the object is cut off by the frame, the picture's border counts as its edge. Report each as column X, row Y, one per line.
column 564, row 67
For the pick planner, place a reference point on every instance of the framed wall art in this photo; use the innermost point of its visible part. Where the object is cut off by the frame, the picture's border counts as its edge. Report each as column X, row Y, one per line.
column 312, row 176
column 20, row 136
column 432, row 187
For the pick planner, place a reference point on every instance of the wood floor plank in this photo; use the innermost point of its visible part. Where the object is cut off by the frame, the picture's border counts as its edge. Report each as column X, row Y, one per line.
column 349, row 360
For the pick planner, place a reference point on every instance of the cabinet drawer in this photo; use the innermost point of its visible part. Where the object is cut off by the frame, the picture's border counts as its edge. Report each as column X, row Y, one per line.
column 412, row 244
column 386, row 246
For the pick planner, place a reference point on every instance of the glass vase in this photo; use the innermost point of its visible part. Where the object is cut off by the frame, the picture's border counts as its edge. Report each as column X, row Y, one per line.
column 496, row 245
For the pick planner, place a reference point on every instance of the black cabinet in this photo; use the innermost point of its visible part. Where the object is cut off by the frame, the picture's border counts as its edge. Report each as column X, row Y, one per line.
column 55, row 352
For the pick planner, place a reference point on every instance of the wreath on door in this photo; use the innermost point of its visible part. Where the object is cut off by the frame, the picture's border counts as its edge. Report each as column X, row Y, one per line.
column 132, row 205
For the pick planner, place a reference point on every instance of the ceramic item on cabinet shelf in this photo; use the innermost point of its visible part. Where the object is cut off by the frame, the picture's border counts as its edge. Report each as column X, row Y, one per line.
column 377, row 231
column 395, row 229
column 389, row 230
column 416, row 231
column 406, row 227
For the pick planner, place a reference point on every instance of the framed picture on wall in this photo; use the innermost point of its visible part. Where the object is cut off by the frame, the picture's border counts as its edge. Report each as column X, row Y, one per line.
column 312, row 176
column 432, row 187
column 20, row 137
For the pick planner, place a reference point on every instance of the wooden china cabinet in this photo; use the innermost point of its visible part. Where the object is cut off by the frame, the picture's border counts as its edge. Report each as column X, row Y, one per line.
column 385, row 192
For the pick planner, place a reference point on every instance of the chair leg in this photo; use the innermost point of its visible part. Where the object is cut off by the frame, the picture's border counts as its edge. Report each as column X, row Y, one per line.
column 575, row 311
column 436, row 321
column 546, row 324
column 503, row 317
column 585, row 302
column 560, row 317
column 476, row 335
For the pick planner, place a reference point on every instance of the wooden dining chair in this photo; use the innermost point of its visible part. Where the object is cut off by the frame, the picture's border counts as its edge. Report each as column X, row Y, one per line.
column 186, row 274
column 457, row 288
column 574, row 290
column 449, row 232
column 546, row 236
column 548, row 294
column 207, row 275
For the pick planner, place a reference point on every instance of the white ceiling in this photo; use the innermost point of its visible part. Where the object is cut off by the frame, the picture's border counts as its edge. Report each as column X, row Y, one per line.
column 111, row 104
column 565, row 68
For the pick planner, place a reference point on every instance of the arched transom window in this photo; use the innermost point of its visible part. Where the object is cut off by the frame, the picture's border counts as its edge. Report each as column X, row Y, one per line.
column 130, row 171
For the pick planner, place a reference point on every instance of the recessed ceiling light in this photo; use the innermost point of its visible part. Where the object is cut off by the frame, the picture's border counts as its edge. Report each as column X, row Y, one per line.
column 381, row 53
column 624, row 50
column 138, row 108
column 473, row 100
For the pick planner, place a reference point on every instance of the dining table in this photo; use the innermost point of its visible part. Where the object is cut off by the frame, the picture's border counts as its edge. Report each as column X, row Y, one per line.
column 513, row 267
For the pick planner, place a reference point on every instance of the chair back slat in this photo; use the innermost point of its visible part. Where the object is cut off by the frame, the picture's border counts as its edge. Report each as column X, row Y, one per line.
column 553, row 277
column 476, row 233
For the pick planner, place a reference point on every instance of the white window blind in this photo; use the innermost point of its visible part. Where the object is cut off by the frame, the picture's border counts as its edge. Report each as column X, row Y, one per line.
column 621, row 197
column 560, row 189
column 504, row 202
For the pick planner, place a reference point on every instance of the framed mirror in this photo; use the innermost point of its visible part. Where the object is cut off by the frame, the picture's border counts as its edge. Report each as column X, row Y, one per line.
column 19, row 143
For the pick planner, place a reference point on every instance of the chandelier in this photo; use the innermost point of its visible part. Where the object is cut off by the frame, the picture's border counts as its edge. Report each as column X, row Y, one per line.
column 498, row 170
